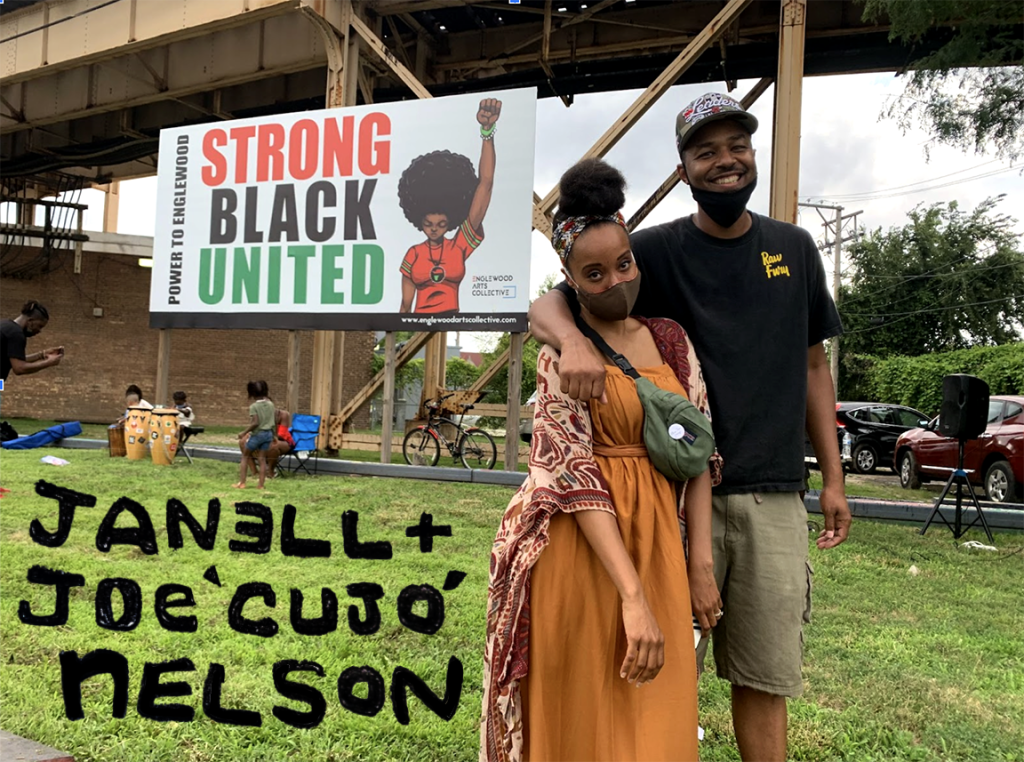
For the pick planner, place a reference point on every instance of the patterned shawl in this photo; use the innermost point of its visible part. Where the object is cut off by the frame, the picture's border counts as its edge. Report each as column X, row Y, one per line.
column 563, row 477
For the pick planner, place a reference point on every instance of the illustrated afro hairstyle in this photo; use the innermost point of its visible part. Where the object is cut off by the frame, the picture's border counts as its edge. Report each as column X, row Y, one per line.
column 590, row 188
column 440, row 182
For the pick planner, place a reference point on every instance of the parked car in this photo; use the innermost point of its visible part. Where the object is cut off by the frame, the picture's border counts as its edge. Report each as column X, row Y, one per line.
column 867, row 433
column 526, row 424
column 995, row 460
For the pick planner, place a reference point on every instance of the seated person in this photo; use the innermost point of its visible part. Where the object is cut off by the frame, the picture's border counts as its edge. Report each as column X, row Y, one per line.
column 186, row 417
column 133, row 398
column 282, row 444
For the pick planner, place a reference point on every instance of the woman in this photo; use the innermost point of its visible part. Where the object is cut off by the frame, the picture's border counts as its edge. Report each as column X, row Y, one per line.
column 591, row 592
column 440, row 192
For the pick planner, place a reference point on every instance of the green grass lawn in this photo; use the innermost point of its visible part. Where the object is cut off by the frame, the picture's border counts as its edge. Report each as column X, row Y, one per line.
column 920, row 668
column 868, row 487
column 227, row 436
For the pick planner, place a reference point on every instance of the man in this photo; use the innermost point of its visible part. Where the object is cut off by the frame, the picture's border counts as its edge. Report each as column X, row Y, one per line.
column 14, row 335
column 752, row 294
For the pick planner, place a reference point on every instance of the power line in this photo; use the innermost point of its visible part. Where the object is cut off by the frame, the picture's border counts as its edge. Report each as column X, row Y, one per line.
column 909, row 279
column 939, row 275
column 885, row 194
column 968, row 279
column 950, row 184
column 908, row 185
column 935, row 309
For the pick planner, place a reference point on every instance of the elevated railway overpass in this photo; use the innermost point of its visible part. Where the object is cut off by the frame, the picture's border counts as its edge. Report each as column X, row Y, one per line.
column 86, row 85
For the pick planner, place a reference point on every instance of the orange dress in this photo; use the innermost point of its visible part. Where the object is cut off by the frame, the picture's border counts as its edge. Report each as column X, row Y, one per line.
column 575, row 705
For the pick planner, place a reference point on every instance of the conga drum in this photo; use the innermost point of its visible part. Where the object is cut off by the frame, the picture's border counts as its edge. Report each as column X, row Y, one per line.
column 115, row 438
column 163, row 435
column 136, row 433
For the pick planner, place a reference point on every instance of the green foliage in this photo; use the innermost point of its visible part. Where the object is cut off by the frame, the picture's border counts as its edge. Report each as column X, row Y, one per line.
column 400, row 338
column 917, row 381
column 405, row 376
column 946, row 280
column 498, row 388
column 552, row 280
column 969, row 91
column 460, row 374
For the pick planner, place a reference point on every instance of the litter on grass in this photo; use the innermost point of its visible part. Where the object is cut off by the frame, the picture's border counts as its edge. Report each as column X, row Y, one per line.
column 975, row 545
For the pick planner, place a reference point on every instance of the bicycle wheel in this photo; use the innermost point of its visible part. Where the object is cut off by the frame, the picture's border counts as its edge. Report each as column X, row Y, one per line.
column 477, row 449
column 420, row 447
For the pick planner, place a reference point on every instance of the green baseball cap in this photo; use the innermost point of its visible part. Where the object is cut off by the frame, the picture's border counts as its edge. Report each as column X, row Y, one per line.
column 708, row 108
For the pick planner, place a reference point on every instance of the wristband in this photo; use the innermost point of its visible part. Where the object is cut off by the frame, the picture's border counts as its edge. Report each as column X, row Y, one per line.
column 488, row 133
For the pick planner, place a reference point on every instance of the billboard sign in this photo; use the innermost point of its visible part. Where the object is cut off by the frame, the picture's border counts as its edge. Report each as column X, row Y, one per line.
column 403, row 216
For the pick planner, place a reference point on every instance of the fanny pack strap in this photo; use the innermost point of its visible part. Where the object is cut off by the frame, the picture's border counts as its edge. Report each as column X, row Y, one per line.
column 619, row 360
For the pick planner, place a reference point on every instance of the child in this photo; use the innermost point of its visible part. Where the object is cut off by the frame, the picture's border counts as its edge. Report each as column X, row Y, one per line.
column 133, row 398
column 261, row 424
column 282, row 445
column 186, row 415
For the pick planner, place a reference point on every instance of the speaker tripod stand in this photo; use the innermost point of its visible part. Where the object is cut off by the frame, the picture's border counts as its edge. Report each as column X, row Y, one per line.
column 959, row 478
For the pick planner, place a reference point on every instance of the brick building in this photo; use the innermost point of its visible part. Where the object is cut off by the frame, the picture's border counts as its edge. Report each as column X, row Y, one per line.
column 105, row 354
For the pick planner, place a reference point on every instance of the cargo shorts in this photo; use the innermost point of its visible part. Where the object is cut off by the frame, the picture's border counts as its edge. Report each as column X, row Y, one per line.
column 760, row 547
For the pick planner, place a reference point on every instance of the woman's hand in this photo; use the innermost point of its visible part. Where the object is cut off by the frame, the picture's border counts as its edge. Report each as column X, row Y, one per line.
column 645, row 643
column 704, row 597
column 490, row 110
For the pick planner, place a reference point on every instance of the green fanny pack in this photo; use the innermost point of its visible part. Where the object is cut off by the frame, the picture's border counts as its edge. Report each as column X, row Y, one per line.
column 677, row 435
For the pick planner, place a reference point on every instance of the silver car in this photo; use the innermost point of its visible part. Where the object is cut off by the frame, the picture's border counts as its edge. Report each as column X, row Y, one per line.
column 526, row 424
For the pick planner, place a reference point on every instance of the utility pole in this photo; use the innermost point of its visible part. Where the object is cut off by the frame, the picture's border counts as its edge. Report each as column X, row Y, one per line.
column 836, row 228
column 837, row 274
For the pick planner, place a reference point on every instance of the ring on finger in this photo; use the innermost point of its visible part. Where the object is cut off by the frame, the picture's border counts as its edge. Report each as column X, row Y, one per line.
column 719, row 613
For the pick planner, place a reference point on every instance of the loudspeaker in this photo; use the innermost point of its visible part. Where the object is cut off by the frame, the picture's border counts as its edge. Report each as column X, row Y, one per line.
column 964, row 411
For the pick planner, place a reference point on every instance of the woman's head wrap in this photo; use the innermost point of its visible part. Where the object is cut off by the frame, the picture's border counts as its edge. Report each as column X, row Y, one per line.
column 565, row 233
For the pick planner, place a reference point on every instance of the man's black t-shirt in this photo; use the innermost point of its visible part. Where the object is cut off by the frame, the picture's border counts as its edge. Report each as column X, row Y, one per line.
column 13, row 339
column 752, row 306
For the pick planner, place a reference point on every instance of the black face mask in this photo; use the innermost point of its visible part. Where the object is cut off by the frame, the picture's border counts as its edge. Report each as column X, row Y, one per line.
column 724, row 207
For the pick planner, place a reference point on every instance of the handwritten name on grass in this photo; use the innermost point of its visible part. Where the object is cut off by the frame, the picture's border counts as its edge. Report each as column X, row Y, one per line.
column 361, row 621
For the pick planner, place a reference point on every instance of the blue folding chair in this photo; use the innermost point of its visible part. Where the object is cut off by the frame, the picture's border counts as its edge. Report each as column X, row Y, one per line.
column 305, row 430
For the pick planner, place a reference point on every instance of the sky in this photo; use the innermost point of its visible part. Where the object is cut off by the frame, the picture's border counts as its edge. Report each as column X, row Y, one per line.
column 849, row 156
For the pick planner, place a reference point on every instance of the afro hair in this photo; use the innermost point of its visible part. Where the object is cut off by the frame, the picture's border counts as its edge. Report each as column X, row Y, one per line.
column 440, row 182
column 590, row 187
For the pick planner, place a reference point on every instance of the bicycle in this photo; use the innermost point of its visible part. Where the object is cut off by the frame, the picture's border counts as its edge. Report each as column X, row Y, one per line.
column 473, row 446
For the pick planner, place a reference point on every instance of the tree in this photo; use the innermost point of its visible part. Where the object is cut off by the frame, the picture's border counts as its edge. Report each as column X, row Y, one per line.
column 498, row 387
column 459, row 373
column 552, row 280
column 946, row 280
column 407, row 375
column 969, row 91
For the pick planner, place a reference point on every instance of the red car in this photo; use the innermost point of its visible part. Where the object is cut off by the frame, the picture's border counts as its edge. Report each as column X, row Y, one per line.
column 995, row 460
